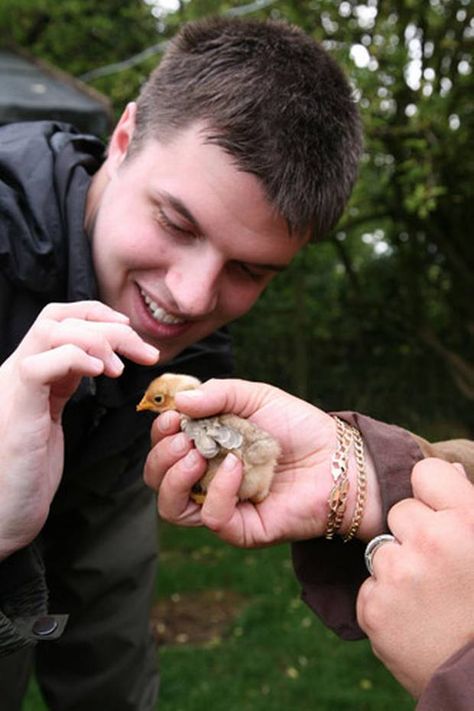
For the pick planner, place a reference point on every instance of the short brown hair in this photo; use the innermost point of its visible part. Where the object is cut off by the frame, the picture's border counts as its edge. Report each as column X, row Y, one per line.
column 273, row 99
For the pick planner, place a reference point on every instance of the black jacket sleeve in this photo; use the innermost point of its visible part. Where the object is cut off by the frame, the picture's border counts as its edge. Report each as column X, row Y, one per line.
column 22, row 595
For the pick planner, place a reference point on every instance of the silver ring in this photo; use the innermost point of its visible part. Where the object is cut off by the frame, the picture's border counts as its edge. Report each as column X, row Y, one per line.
column 373, row 545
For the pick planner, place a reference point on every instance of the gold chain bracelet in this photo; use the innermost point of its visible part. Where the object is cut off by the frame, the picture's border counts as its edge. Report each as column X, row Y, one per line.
column 338, row 495
column 337, row 500
column 361, row 487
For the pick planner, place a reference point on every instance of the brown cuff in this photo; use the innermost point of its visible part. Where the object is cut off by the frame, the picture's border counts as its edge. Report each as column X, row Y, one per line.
column 394, row 452
column 452, row 685
column 331, row 572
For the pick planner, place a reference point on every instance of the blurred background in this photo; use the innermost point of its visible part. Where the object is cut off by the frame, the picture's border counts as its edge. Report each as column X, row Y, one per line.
column 377, row 318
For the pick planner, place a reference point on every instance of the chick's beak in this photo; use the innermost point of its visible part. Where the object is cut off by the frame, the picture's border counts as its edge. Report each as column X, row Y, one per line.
column 145, row 404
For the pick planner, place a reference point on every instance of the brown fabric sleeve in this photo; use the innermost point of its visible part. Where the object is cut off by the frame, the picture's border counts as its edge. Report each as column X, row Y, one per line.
column 331, row 572
column 453, row 450
column 452, row 685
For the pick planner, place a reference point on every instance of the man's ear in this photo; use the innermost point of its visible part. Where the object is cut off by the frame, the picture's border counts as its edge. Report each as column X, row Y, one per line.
column 121, row 138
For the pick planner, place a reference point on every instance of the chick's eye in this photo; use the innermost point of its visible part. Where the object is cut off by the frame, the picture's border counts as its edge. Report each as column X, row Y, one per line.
column 159, row 399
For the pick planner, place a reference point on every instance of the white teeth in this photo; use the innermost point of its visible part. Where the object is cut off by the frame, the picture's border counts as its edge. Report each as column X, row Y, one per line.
column 158, row 313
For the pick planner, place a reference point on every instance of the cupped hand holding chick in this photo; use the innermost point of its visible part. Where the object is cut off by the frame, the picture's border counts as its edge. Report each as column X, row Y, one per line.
column 216, row 437
column 296, row 506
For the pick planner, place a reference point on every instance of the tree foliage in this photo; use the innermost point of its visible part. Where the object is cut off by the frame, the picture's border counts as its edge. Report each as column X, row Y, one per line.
column 380, row 317
column 80, row 35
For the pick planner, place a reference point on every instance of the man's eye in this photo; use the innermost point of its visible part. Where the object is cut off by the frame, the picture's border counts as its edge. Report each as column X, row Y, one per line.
column 250, row 272
column 165, row 222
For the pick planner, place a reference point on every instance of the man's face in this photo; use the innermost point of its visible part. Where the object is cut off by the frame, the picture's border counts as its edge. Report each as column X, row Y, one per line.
column 183, row 242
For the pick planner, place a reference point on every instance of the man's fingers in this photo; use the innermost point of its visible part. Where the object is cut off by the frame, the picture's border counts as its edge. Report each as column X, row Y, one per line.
column 221, row 498
column 168, row 423
column 174, row 502
column 363, row 596
column 87, row 310
column 163, row 456
column 383, row 557
column 409, row 517
column 98, row 338
column 237, row 396
column 441, row 485
column 50, row 366
column 104, row 340
column 437, row 486
column 65, row 365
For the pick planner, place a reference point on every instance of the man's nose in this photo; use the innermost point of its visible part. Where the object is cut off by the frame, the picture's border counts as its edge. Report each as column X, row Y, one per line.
column 194, row 284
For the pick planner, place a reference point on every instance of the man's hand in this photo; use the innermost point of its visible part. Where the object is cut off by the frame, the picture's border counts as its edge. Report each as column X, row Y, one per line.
column 296, row 507
column 65, row 343
column 418, row 609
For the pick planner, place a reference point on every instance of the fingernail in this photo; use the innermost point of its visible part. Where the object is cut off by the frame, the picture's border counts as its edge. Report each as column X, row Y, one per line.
column 191, row 459
column 230, row 462
column 115, row 363
column 190, row 394
column 179, row 443
column 460, row 468
column 152, row 351
column 164, row 421
column 122, row 317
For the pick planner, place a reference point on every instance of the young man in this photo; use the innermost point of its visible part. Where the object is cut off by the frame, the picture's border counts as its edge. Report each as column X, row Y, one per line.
column 242, row 146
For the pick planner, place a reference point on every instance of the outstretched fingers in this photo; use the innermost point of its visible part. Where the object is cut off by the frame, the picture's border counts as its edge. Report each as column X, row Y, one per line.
column 97, row 338
column 64, row 344
column 87, row 310
column 49, row 366
column 53, row 376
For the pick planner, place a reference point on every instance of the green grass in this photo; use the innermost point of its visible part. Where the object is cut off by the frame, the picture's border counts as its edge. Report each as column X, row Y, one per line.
column 276, row 655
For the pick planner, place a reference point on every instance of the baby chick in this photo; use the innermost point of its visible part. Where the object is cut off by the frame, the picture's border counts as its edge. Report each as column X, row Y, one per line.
column 214, row 437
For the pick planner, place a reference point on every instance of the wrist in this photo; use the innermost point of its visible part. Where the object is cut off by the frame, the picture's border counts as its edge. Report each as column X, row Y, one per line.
column 354, row 501
column 371, row 522
column 8, row 548
column 13, row 537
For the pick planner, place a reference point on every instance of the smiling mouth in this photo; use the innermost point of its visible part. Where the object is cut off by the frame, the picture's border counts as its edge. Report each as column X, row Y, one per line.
column 159, row 314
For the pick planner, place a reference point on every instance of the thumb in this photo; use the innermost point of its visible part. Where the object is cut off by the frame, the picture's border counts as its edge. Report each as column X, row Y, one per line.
column 241, row 397
column 441, row 485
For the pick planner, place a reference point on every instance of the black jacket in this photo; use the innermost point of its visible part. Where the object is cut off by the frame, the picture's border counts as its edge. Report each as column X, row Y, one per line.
column 45, row 172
